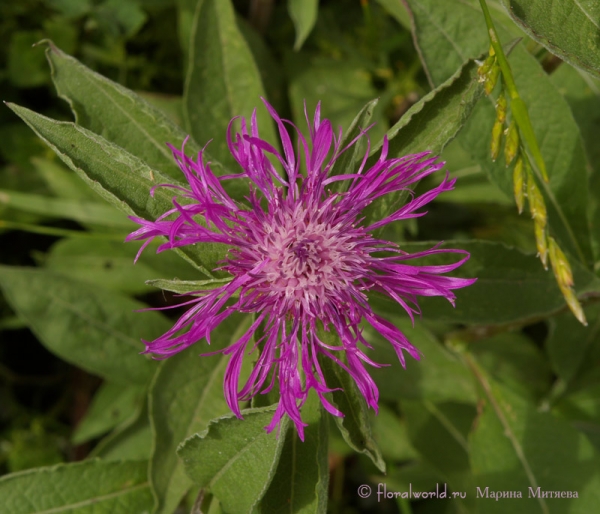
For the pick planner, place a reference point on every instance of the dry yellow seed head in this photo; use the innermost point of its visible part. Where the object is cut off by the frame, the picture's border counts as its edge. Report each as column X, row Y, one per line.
column 491, row 78
column 518, row 181
column 496, row 140
column 541, row 243
column 574, row 305
column 511, row 147
column 537, row 206
column 501, row 107
column 560, row 264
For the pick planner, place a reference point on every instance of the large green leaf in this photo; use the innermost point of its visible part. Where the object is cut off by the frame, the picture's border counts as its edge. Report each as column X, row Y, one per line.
column 452, row 31
column 569, row 28
column 222, row 80
column 235, row 459
column 186, row 394
column 90, row 487
column 111, row 264
column 511, row 286
column 302, row 476
column 582, row 93
column 439, row 376
column 86, row 325
column 119, row 177
column 515, row 447
column 117, row 113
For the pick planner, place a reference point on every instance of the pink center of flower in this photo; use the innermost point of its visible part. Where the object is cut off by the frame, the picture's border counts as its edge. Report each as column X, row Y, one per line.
column 308, row 258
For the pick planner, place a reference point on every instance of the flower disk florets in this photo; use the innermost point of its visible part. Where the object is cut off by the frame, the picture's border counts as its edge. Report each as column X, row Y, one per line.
column 310, row 259
column 301, row 259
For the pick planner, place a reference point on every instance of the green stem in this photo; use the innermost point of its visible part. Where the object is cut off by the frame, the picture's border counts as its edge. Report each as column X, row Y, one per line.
column 517, row 105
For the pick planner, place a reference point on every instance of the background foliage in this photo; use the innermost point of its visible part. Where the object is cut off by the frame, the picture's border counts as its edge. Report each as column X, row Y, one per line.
column 507, row 395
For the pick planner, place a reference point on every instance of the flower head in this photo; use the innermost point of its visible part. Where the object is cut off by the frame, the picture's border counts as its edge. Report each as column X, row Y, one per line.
column 301, row 260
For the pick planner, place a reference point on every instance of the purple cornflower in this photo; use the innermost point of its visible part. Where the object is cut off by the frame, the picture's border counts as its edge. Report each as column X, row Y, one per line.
column 300, row 260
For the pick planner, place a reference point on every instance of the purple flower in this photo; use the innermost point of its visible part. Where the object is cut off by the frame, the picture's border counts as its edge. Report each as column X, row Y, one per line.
column 301, row 261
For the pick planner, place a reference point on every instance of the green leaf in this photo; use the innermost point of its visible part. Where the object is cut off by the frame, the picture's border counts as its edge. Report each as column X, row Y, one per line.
column 474, row 187
column 516, row 361
column 439, row 431
column 77, row 210
column 391, row 434
column 188, row 286
column 119, row 177
column 569, row 28
column 572, row 348
column 511, row 286
column 89, row 487
column 117, row 113
column 580, row 405
column 397, row 10
column 235, row 459
column 355, row 426
column 185, row 21
column 582, row 93
column 301, row 481
column 439, row 376
column 304, row 16
column 186, row 394
column 449, row 32
column 88, row 326
column 429, row 125
column 130, row 441
column 222, row 81
column 110, row 264
column 515, row 447
column 112, row 405
column 270, row 69
column 435, row 120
